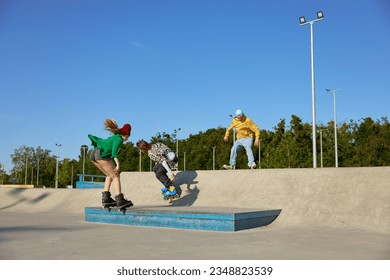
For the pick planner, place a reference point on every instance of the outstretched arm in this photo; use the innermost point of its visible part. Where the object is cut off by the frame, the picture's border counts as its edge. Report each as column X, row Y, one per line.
column 256, row 130
column 228, row 132
column 171, row 175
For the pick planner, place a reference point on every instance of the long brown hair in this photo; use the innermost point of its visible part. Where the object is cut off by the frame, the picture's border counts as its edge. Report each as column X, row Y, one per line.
column 143, row 146
column 111, row 125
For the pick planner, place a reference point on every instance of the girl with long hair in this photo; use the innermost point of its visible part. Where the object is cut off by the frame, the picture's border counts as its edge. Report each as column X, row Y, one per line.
column 105, row 157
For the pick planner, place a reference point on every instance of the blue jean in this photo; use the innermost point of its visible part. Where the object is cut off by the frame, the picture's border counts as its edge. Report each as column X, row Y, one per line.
column 247, row 144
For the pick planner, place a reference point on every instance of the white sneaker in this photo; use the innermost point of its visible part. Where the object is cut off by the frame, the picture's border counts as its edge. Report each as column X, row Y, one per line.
column 226, row 166
column 253, row 166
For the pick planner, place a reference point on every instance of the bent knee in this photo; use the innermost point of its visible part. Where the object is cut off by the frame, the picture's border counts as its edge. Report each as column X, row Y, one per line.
column 111, row 174
column 114, row 176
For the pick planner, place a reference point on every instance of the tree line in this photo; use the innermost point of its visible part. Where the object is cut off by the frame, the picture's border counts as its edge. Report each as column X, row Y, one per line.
column 289, row 145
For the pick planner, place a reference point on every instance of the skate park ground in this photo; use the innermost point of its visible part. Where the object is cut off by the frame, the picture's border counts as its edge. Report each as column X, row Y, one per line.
column 326, row 214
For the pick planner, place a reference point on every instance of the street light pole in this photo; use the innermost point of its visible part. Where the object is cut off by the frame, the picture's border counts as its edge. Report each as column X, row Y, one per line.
column 140, row 161
column 58, row 152
column 335, row 125
column 71, row 178
column 84, row 148
column 177, row 140
column 177, row 147
column 321, row 147
column 184, row 168
column 25, row 173
column 259, row 153
column 214, row 158
column 302, row 21
column 38, row 170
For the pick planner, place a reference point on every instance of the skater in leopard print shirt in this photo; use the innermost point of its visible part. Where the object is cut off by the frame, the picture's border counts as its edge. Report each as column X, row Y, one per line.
column 164, row 160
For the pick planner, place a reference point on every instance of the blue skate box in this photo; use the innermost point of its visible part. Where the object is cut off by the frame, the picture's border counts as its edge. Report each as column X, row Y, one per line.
column 194, row 218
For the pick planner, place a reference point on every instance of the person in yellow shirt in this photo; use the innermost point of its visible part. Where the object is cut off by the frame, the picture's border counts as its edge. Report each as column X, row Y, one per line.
column 245, row 129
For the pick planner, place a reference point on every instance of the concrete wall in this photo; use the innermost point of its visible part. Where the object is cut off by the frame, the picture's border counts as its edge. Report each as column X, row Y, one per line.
column 18, row 186
column 350, row 198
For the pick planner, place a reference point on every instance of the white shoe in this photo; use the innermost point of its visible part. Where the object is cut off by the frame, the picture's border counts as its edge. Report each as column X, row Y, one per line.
column 253, row 166
column 226, row 166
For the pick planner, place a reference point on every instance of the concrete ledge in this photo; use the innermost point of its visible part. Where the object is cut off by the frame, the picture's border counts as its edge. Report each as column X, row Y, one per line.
column 331, row 198
column 195, row 218
column 20, row 186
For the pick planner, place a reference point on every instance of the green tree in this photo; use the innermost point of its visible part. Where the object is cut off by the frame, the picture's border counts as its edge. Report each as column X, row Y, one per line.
column 327, row 133
column 129, row 157
column 360, row 143
column 300, row 150
column 3, row 175
column 67, row 171
column 274, row 154
column 370, row 145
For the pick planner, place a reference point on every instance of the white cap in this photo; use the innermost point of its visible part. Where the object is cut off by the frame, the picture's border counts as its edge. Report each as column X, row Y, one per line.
column 239, row 112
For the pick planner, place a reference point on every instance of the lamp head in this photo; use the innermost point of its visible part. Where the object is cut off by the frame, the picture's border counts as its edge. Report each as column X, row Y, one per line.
column 302, row 20
column 320, row 15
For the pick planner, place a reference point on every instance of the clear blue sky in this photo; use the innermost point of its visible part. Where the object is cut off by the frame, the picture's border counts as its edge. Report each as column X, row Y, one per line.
column 65, row 66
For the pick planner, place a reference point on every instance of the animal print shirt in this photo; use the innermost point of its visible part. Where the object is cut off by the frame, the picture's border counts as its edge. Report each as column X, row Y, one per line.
column 158, row 154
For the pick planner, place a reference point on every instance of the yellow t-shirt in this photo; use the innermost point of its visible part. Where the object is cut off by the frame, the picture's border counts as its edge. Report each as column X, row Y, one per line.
column 245, row 128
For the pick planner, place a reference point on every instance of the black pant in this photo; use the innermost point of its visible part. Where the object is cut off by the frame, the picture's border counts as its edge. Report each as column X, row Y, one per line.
column 161, row 175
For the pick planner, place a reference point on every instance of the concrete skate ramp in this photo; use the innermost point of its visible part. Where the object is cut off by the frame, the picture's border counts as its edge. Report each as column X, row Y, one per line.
column 348, row 198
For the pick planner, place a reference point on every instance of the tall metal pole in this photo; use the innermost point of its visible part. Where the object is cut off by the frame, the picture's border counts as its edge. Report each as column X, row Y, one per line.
column 38, row 171
column 313, row 98
column 140, row 161
column 259, row 154
column 177, row 147
column 84, row 147
column 58, row 155
column 177, row 140
column 184, row 168
column 335, row 129
column 214, row 158
column 335, row 126
column 83, row 163
column 322, row 165
column 56, row 182
column 25, row 174
column 302, row 20
column 71, row 178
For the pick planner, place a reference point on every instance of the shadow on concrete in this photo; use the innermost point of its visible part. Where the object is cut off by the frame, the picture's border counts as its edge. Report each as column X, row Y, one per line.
column 36, row 228
column 186, row 186
column 39, row 198
column 20, row 199
column 16, row 192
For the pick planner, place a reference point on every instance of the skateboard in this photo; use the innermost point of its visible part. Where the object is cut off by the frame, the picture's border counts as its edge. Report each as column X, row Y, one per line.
column 122, row 208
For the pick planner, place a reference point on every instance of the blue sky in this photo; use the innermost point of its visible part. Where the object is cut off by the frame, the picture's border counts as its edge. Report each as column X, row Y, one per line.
column 65, row 66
